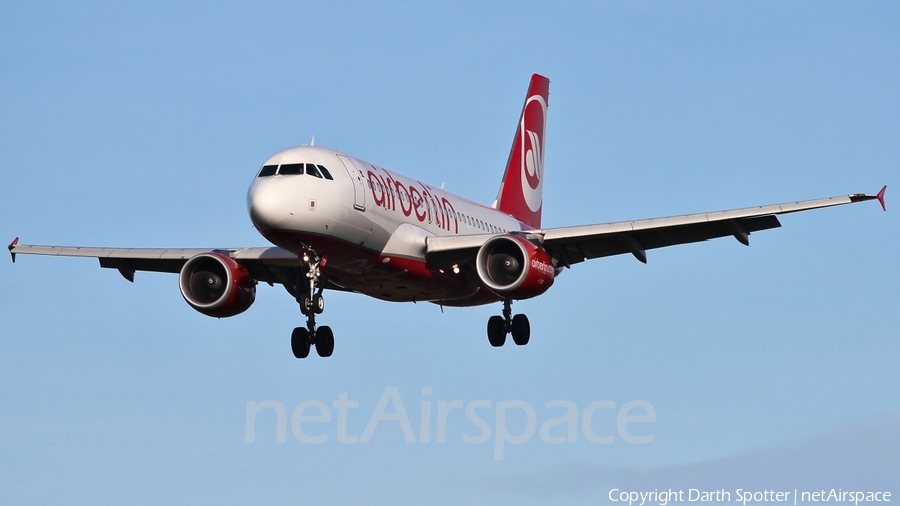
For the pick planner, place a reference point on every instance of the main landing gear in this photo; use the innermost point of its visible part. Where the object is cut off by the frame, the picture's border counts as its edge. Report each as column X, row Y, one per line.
column 499, row 326
column 312, row 303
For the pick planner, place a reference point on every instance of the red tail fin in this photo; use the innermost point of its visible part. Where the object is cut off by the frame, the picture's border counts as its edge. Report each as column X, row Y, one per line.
column 521, row 192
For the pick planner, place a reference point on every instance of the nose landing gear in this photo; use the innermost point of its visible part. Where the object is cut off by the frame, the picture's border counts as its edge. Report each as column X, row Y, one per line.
column 499, row 326
column 312, row 303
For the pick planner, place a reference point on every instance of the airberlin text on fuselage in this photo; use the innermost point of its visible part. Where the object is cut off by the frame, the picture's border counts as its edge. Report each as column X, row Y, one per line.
column 416, row 200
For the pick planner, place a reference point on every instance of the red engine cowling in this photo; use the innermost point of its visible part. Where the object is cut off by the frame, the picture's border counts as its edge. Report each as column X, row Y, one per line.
column 513, row 267
column 216, row 285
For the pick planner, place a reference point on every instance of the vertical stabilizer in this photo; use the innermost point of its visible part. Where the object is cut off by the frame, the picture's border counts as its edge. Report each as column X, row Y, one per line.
column 521, row 192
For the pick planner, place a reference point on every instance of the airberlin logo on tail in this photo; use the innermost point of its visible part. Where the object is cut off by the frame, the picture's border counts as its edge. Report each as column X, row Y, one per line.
column 531, row 156
column 523, row 183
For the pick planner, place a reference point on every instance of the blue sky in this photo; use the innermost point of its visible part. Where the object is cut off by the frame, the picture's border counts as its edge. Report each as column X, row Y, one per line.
column 142, row 125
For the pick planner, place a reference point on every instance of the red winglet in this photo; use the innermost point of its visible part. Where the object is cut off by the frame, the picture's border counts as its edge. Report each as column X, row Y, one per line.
column 880, row 197
column 11, row 246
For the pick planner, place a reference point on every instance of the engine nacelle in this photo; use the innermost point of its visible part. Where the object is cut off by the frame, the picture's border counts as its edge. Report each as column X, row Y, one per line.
column 216, row 285
column 513, row 267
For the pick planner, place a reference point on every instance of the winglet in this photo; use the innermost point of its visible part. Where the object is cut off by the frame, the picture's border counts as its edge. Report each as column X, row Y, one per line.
column 12, row 246
column 880, row 197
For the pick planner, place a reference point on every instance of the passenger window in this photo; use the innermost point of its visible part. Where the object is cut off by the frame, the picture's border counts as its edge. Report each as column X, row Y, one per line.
column 325, row 172
column 312, row 170
column 288, row 169
column 268, row 170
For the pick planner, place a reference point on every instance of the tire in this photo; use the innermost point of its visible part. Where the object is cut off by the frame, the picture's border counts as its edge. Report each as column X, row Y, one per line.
column 521, row 329
column 300, row 342
column 318, row 304
column 324, row 341
column 306, row 305
column 496, row 331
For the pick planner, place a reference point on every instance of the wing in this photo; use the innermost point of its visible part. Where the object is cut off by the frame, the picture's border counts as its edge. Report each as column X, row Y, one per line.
column 570, row 245
column 269, row 265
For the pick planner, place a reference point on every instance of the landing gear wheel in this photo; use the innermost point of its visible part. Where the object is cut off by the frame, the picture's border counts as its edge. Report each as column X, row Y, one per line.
column 324, row 341
column 306, row 305
column 521, row 329
column 496, row 331
column 300, row 342
column 311, row 303
column 318, row 303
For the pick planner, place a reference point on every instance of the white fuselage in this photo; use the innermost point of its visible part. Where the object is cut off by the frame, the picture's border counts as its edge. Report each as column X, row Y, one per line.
column 369, row 222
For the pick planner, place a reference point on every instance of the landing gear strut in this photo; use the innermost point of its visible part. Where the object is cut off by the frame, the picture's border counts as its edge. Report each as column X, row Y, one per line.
column 312, row 303
column 499, row 326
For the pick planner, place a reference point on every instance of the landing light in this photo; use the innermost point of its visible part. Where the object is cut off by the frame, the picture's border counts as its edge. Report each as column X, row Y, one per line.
column 455, row 269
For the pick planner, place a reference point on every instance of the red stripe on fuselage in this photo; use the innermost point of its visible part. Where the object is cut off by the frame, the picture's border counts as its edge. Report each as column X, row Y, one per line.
column 398, row 279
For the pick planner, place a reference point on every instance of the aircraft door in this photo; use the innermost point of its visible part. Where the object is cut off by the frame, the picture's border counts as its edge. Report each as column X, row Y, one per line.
column 359, row 183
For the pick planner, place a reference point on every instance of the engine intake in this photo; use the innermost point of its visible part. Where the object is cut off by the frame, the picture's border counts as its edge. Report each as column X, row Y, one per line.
column 216, row 285
column 513, row 267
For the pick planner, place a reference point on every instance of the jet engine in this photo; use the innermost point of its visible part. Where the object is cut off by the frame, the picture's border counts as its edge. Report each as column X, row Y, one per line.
column 513, row 267
column 216, row 285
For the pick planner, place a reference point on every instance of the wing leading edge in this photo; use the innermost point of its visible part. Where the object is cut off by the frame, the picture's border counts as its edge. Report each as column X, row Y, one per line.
column 571, row 245
column 263, row 263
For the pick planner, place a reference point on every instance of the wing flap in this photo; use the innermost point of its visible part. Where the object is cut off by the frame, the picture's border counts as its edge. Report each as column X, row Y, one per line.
column 570, row 245
column 572, row 250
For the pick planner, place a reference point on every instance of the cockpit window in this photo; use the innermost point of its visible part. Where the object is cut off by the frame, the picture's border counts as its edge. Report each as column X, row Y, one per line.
column 288, row 169
column 312, row 170
column 325, row 172
column 268, row 170
column 291, row 168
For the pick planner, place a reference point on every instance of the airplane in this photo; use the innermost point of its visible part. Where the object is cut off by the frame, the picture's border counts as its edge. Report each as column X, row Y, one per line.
column 341, row 223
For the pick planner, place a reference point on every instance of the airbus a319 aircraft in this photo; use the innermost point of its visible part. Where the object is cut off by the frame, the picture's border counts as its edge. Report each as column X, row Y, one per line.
column 341, row 223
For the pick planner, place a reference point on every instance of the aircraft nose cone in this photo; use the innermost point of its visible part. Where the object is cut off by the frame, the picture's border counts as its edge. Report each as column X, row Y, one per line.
column 267, row 206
